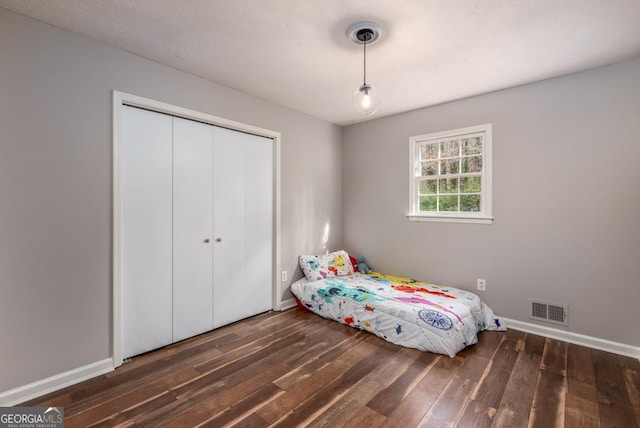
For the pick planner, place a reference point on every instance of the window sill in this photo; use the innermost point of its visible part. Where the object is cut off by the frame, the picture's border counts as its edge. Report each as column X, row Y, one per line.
column 450, row 219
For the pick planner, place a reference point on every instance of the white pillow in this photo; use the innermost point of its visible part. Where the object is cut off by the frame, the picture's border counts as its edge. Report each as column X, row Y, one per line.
column 332, row 264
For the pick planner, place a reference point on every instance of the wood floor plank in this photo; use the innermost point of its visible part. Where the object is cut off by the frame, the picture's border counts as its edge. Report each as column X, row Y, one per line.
column 261, row 318
column 534, row 344
column 515, row 334
column 580, row 413
column 294, row 368
column 491, row 386
column 229, row 406
column 364, row 417
column 515, row 406
column 389, row 397
column 335, row 390
column 554, row 358
column 110, row 408
column 244, row 406
column 581, row 379
column 259, row 333
column 631, row 375
column 473, row 367
column 347, row 407
column 450, row 403
column 548, row 401
column 55, row 399
column 476, row 415
column 315, row 365
column 96, row 391
column 614, row 404
column 213, row 398
column 250, row 344
column 394, row 367
column 415, row 405
column 548, row 407
column 488, row 341
column 484, row 401
column 202, row 407
column 251, row 421
column 216, row 390
column 128, row 416
column 215, row 374
column 328, row 337
column 301, row 392
column 581, row 401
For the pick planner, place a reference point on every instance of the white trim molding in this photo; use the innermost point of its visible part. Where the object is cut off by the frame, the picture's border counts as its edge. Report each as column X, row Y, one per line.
column 288, row 304
column 119, row 100
column 575, row 338
column 450, row 219
column 44, row 386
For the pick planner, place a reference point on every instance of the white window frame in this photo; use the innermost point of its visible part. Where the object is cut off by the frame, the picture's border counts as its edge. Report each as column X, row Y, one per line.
column 482, row 217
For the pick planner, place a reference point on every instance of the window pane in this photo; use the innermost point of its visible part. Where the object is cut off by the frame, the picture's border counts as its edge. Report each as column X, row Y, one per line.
column 470, row 185
column 449, row 171
column 428, row 203
column 450, row 166
column 429, row 151
column 470, row 203
column 449, row 149
column 472, row 164
column 448, row 185
column 428, row 187
column 429, row 168
column 449, row 203
column 472, row 146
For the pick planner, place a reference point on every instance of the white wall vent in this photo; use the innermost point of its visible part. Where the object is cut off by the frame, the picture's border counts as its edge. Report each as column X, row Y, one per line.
column 549, row 312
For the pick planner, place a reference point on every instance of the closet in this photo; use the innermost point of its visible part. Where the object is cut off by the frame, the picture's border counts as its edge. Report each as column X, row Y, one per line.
column 197, row 227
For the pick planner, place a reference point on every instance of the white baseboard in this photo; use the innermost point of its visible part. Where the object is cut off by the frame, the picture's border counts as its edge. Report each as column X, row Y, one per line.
column 576, row 338
column 288, row 304
column 54, row 383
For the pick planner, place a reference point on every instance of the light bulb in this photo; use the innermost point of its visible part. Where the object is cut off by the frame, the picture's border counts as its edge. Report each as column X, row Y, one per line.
column 365, row 100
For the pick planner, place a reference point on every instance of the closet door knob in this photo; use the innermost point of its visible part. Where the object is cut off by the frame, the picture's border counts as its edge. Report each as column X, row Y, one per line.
column 207, row 240
column 218, row 239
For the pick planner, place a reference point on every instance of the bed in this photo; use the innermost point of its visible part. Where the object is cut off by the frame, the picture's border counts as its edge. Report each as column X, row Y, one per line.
column 400, row 310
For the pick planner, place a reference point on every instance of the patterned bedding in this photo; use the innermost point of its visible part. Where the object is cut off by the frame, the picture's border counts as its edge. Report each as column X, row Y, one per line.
column 401, row 310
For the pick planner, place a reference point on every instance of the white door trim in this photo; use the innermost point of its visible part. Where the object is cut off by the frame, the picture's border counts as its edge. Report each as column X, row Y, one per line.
column 119, row 100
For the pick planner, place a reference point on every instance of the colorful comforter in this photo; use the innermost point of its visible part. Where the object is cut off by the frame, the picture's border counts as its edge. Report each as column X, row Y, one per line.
column 401, row 310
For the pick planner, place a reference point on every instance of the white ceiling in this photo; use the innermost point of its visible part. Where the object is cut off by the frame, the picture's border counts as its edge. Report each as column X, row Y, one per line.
column 295, row 52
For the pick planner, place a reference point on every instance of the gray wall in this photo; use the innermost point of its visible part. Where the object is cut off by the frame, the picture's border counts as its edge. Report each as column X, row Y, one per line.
column 566, row 200
column 55, row 187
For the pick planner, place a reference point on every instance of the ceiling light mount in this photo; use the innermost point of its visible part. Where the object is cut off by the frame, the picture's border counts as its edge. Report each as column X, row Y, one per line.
column 364, row 31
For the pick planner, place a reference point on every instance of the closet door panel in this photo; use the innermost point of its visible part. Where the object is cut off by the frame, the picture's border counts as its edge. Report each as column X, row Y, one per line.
column 192, row 228
column 259, row 223
column 146, row 159
column 229, row 295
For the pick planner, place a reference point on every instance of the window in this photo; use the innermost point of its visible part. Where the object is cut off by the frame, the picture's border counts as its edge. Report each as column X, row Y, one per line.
column 451, row 176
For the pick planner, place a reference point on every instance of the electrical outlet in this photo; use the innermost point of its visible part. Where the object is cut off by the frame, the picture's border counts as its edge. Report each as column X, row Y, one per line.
column 285, row 276
column 482, row 284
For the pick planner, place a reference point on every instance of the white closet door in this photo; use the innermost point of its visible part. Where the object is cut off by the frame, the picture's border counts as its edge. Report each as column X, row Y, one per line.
column 229, row 227
column 192, row 228
column 146, row 158
column 243, row 225
column 259, row 223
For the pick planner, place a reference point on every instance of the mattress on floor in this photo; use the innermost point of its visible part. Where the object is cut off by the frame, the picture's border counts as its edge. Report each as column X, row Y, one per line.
column 403, row 311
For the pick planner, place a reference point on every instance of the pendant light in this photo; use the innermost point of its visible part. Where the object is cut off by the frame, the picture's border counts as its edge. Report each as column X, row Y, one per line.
column 365, row 99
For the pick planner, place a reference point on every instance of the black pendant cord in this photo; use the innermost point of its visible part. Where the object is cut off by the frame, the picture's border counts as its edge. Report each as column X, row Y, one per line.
column 365, row 61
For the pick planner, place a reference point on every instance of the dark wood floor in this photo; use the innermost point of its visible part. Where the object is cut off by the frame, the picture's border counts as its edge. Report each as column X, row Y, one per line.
column 294, row 368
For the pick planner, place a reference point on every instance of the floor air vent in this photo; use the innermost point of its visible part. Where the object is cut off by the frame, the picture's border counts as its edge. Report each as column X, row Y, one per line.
column 549, row 312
